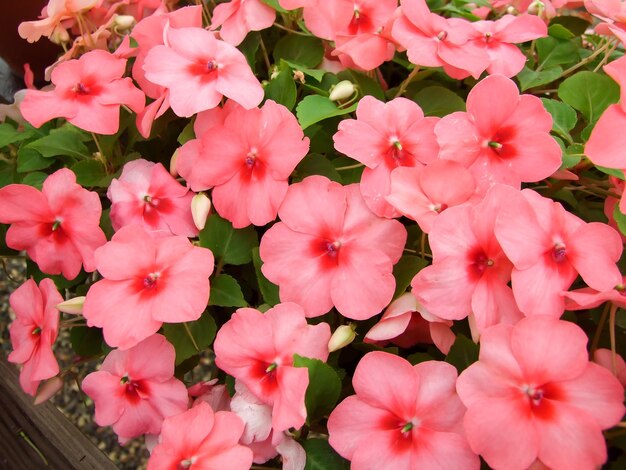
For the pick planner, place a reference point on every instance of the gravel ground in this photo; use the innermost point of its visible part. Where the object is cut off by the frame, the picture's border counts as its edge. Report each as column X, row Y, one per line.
column 73, row 404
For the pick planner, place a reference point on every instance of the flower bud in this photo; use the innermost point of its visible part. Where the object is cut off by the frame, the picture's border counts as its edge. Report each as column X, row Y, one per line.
column 342, row 337
column 536, row 8
column 123, row 22
column 200, row 208
column 60, row 36
column 173, row 160
column 342, row 90
column 72, row 306
column 48, row 389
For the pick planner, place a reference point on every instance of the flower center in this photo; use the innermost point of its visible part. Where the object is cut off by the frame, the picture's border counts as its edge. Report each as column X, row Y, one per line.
column 407, row 427
column 251, row 157
column 186, row 463
column 621, row 288
column 81, row 89
column 150, row 280
column 211, row 66
column 332, row 248
column 535, row 395
column 36, row 331
column 559, row 253
column 438, row 207
column 442, row 35
column 482, row 262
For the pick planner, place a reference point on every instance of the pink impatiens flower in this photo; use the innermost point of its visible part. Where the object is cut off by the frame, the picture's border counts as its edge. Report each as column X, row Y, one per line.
column 258, row 350
column 247, row 159
column 402, row 417
column 533, row 394
column 135, row 389
column 198, row 70
column 383, row 137
column 88, row 93
column 342, row 252
column 59, row 226
column 57, row 15
column 146, row 194
column 34, row 331
column 238, row 17
column 147, row 282
column 203, row 439
column 501, row 141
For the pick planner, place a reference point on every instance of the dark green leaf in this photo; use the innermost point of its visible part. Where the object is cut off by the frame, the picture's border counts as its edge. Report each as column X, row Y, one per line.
column 439, row 101
column 315, row 108
column 10, row 135
column 249, row 47
column 321, row 456
column 405, row 270
column 7, row 173
column 282, row 89
column 590, row 93
column 86, row 342
column 180, row 335
column 418, row 357
column 302, row 51
column 563, row 117
column 462, row 353
column 559, row 31
column 531, row 78
column 612, row 171
column 269, row 291
column 187, row 134
column 323, row 390
column 574, row 24
column 34, row 179
column 316, row 164
column 620, row 219
column 91, row 173
column 228, row 244
column 61, row 141
column 29, row 159
column 317, row 74
column 551, row 52
column 275, row 5
column 225, row 292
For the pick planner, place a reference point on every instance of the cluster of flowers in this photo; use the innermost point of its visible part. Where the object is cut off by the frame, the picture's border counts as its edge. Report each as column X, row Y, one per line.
column 502, row 257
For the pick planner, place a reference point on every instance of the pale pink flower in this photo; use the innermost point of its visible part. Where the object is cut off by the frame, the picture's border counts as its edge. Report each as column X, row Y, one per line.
column 147, row 282
column 59, row 226
column 198, row 70
column 34, row 331
column 201, row 438
column 212, row 393
column 238, row 17
column 88, row 93
column 422, row 193
column 402, row 417
column 54, row 16
column 533, row 394
column 258, row 350
column 247, row 159
column 501, row 141
column 342, row 252
column 134, row 390
column 146, row 194
column 549, row 247
column 383, row 137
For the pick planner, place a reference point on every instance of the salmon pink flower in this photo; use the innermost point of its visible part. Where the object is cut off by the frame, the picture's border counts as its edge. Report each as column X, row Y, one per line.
column 247, row 159
column 238, row 17
column 383, row 137
column 59, row 226
column 533, row 394
column 54, row 17
column 501, row 141
column 135, row 390
column 402, row 416
column 612, row 362
column 201, row 438
column 258, row 350
column 146, row 194
column 88, row 93
column 147, row 282
column 342, row 252
column 549, row 247
column 34, row 331
column 198, row 70
column 586, row 298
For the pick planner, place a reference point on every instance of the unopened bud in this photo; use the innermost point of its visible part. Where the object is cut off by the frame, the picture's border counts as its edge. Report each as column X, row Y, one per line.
column 123, row 22
column 342, row 337
column 298, row 75
column 342, row 90
column 72, row 306
column 60, row 36
column 173, row 160
column 200, row 208
column 536, row 8
column 48, row 389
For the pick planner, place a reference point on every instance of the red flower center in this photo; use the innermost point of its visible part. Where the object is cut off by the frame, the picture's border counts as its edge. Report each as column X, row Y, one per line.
column 479, row 262
column 150, row 281
column 134, row 390
column 81, row 89
column 559, row 253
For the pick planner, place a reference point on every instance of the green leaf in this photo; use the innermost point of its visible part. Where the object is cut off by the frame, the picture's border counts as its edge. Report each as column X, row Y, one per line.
column 317, row 74
column 323, row 390
column 10, row 135
column 559, row 31
column 418, row 357
column 573, row 155
column 405, row 270
column 91, row 173
column 29, row 159
column 34, row 179
column 573, row 23
column 275, row 5
column 532, row 78
column 321, row 456
column 316, row 164
column 282, row 89
column 438, row 101
column 620, row 219
column 612, row 171
column 316, row 108
column 229, row 245
column 590, row 93
column 305, row 51
column 462, row 353
column 61, row 141
column 249, row 48
column 187, row 134
column 225, row 292
column 86, row 342
column 563, row 117
column 180, row 335
column 269, row 291
column 367, row 85
column 7, row 175
column 551, row 52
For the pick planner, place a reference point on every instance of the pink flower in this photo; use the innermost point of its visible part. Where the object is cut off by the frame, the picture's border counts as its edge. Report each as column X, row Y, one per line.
column 53, row 16
column 198, row 70
column 614, row 363
column 147, row 282
column 383, row 137
column 295, row 4
column 422, row 193
column 586, row 298
column 34, row 331
column 470, row 272
column 612, row 14
column 238, row 17
column 434, row 41
column 258, row 350
column 533, row 394
column 88, row 93
column 247, row 159
column 342, row 252
column 212, row 393
column 59, row 226
column 501, row 141
column 201, row 438
column 146, row 194
column 402, row 416
column 135, row 390
column 548, row 247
